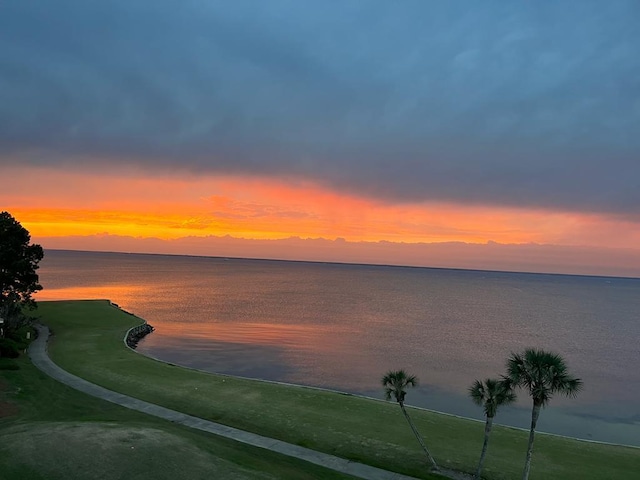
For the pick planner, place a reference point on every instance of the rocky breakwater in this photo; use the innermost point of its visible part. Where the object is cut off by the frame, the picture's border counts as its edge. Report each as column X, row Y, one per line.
column 138, row 333
column 135, row 334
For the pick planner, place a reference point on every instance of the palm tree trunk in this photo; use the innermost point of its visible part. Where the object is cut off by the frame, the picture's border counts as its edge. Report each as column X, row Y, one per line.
column 535, row 413
column 487, row 432
column 417, row 434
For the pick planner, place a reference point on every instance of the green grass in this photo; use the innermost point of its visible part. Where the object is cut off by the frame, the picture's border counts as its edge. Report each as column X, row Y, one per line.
column 50, row 431
column 88, row 342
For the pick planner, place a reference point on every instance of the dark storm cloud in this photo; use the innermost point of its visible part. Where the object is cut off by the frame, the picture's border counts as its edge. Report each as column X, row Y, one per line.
column 516, row 103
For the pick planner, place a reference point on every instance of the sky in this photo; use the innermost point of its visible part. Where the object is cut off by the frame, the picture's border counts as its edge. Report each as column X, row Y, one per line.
column 492, row 135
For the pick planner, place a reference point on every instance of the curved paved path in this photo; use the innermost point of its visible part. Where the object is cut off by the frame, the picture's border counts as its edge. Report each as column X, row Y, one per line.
column 40, row 358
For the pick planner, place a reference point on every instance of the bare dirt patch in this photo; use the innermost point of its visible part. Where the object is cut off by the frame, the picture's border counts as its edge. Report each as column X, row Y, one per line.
column 8, row 409
column 110, row 451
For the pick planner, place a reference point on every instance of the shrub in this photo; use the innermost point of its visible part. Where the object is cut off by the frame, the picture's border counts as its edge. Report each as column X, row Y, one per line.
column 9, row 348
column 9, row 366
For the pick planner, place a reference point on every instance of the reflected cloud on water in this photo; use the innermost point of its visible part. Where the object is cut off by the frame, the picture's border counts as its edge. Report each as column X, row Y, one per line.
column 314, row 355
column 310, row 337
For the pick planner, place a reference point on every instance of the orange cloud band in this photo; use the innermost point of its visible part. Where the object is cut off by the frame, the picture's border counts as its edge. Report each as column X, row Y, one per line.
column 57, row 203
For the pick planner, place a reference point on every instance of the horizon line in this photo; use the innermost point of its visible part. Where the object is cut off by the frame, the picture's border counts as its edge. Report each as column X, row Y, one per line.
column 336, row 262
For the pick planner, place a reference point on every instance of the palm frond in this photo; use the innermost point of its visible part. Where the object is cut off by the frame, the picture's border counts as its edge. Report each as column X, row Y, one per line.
column 395, row 383
column 542, row 374
column 491, row 394
column 477, row 392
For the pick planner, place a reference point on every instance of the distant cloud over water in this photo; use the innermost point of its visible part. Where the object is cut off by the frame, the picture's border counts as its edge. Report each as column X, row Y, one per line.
column 489, row 256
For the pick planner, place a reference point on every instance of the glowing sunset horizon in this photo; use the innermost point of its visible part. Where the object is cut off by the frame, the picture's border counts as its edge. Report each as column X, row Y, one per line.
column 445, row 144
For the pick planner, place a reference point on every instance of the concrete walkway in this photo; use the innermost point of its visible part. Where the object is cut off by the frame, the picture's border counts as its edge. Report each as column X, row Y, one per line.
column 40, row 358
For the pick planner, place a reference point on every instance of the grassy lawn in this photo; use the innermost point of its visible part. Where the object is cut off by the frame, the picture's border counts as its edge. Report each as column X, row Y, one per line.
column 50, row 431
column 88, row 342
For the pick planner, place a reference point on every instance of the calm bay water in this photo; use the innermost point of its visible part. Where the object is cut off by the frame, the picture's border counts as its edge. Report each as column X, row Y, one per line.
column 343, row 326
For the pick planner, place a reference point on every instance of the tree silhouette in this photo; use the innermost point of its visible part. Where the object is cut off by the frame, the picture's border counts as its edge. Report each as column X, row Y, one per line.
column 490, row 395
column 542, row 374
column 395, row 384
column 18, row 278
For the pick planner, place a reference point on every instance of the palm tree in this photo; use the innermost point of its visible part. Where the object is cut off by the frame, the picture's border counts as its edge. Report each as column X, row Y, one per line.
column 395, row 384
column 490, row 394
column 543, row 374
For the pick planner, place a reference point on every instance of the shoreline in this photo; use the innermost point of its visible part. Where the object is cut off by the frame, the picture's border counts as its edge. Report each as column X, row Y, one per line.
column 355, row 428
column 134, row 334
column 40, row 358
column 350, row 394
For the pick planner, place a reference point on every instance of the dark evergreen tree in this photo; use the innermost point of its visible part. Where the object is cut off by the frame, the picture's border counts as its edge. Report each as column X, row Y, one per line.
column 19, row 261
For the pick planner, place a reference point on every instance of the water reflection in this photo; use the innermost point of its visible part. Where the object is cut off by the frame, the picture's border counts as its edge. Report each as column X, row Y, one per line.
column 314, row 355
column 242, row 359
column 306, row 337
column 98, row 292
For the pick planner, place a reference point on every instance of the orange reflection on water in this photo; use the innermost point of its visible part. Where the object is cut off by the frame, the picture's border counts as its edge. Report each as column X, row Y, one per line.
column 305, row 337
column 115, row 293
